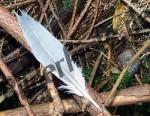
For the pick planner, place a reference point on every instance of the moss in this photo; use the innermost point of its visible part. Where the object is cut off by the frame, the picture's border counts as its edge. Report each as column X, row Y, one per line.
column 146, row 75
column 68, row 4
column 147, row 78
column 126, row 82
column 87, row 73
column 147, row 63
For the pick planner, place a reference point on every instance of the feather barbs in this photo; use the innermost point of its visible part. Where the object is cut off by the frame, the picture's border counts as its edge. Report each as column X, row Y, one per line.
column 53, row 55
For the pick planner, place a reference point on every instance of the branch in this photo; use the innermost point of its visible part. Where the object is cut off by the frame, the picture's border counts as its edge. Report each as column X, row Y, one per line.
column 132, row 95
column 11, row 79
column 43, row 109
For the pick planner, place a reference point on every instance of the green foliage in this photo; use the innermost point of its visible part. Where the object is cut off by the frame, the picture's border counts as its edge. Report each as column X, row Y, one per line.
column 147, row 63
column 96, row 80
column 126, row 82
column 146, row 78
column 68, row 4
column 87, row 73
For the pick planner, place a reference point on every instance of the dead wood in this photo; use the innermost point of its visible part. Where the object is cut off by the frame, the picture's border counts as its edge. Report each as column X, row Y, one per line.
column 11, row 79
column 132, row 95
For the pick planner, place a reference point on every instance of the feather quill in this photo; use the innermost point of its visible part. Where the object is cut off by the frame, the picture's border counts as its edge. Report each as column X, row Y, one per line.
column 48, row 50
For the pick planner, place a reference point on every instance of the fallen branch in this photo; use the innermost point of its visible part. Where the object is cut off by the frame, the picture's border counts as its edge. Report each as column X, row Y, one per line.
column 43, row 109
column 9, row 23
column 132, row 95
column 58, row 105
column 11, row 79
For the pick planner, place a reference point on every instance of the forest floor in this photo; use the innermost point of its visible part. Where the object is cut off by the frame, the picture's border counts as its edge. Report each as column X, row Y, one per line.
column 108, row 39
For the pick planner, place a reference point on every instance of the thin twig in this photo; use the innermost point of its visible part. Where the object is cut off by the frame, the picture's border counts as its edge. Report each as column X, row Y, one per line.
column 101, row 39
column 94, row 20
column 61, row 24
column 138, row 11
column 109, row 18
column 113, row 91
column 20, row 4
column 58, row 105
column 138, row 79
column 44, row 12
column 1, row 46
column 33, row 98
column 73, row 29
column 95, row 68
column 108, row 61
column 104, row 38
column 13, row 55
column 11, row 79
column 44, row 9
column 80, row 41
column 73, row 14
column 141, row 31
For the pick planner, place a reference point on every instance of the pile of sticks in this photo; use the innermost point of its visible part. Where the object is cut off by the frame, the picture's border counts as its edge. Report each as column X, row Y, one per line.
column 77, row 28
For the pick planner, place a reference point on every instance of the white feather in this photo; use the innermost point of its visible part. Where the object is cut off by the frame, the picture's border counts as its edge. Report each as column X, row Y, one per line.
column 48, row 50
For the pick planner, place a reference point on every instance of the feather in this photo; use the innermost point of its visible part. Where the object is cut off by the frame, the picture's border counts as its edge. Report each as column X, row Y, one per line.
column 49, row 51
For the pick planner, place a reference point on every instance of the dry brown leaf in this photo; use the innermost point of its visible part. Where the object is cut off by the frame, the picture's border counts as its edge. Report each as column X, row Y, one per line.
column 119, row 21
